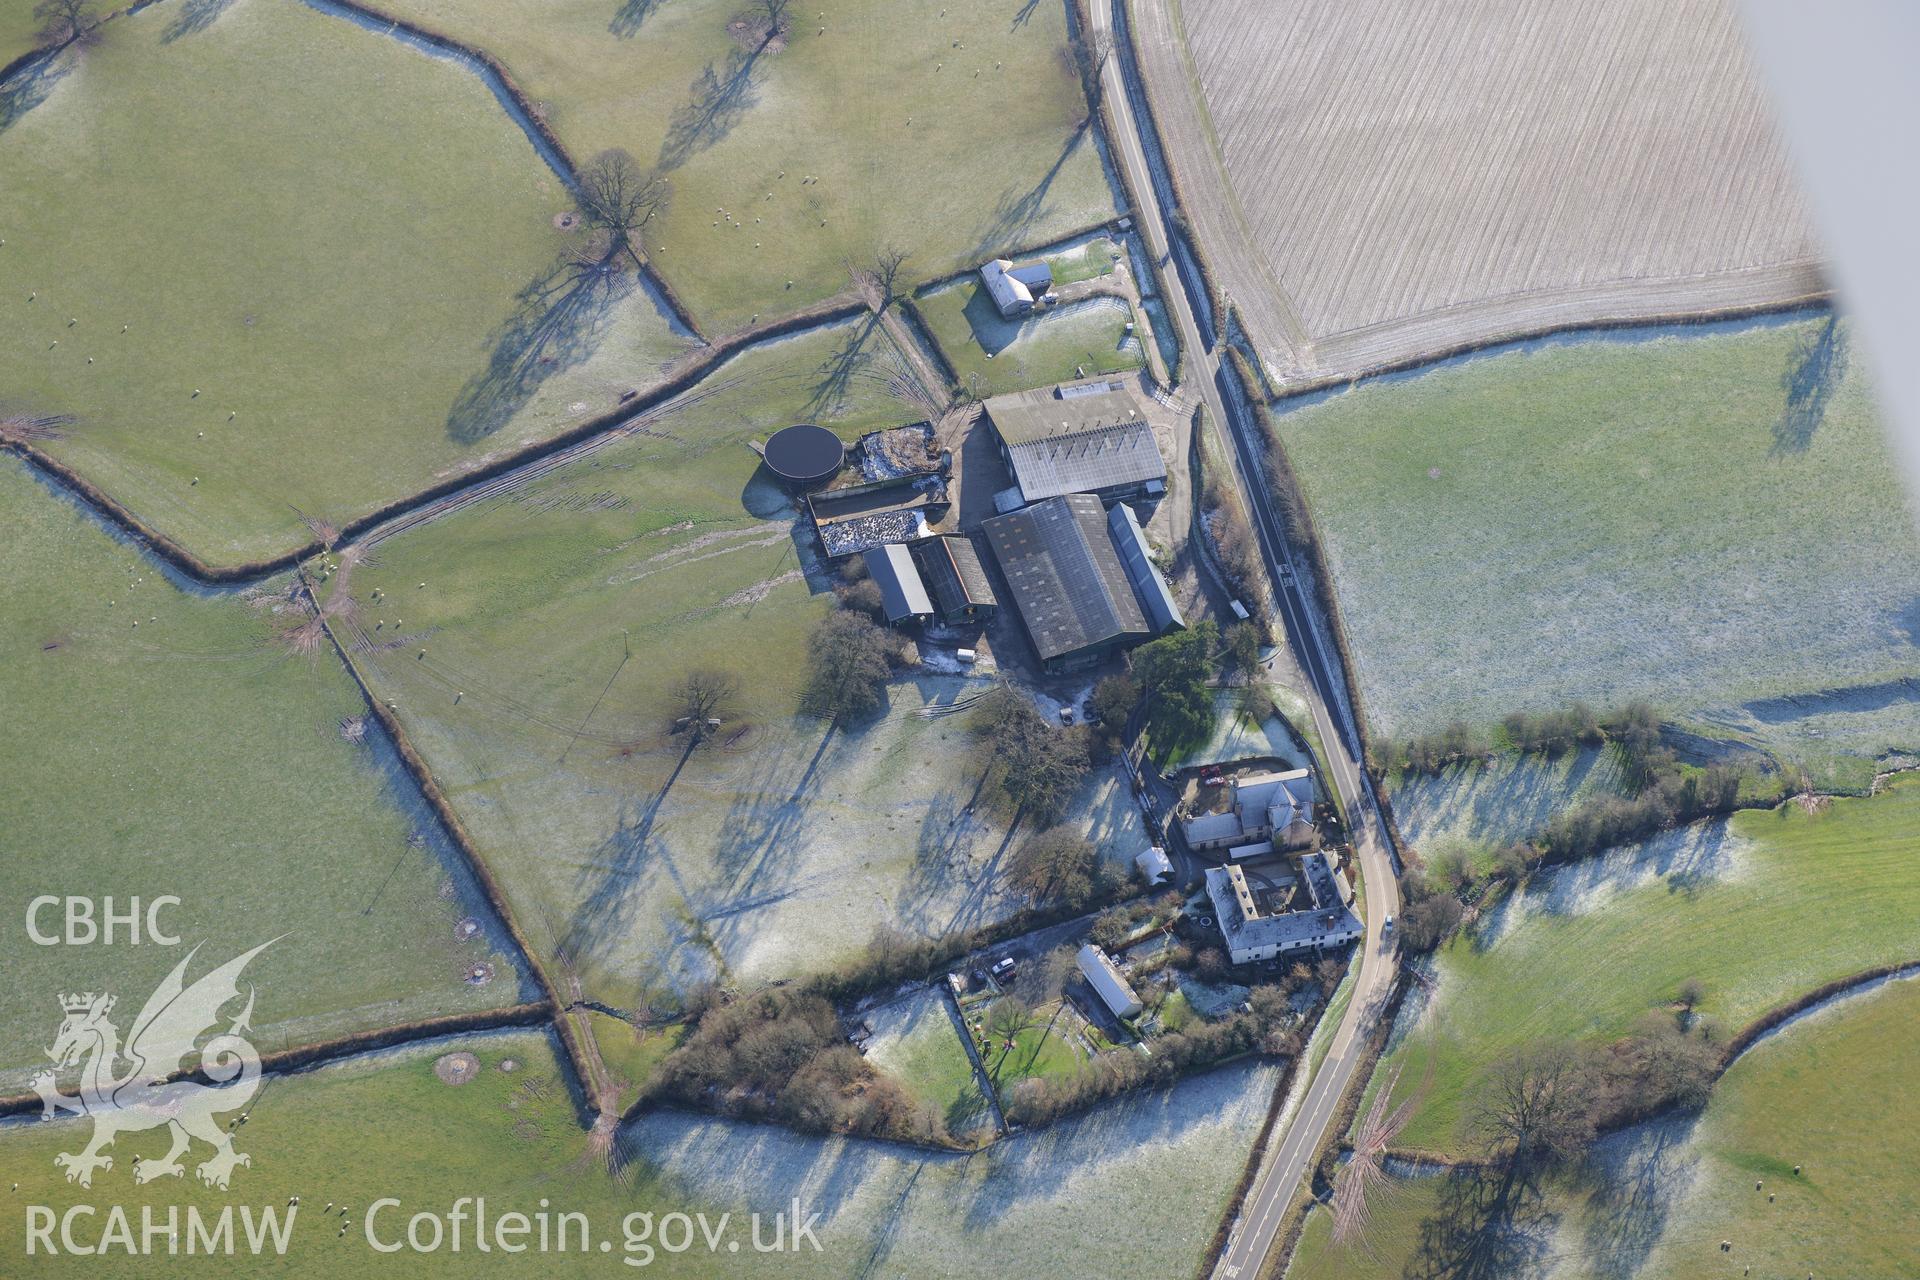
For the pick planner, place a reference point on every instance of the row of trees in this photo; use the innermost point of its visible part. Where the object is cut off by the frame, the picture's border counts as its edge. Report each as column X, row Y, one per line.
column 1546, row 1102
column 779, row 1054
column 1266, row 1028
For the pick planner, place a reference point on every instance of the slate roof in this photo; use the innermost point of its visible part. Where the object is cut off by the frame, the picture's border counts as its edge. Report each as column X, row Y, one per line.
column 955, row 575
column 1067, row 580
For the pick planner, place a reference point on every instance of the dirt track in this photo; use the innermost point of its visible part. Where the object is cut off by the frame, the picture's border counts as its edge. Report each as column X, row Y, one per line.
column 1654, row 223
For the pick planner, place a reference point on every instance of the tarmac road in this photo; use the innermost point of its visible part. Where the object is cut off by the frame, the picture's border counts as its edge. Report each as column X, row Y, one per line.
column 1277, row 1183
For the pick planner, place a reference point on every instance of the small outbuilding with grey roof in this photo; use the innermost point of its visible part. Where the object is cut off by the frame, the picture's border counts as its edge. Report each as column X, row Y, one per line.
column 956, row 578
column 1130, row 540
column 902, row 594
column 1104, row 976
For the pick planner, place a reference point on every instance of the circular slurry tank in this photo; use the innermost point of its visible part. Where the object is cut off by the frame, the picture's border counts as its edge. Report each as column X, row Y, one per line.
column 805, row 454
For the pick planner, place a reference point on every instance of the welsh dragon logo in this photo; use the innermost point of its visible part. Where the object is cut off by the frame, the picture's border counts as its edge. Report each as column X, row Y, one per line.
column 148, row 1093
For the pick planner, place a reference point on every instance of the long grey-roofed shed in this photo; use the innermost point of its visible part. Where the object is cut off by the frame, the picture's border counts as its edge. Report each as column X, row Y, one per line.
column 1067, row 580
column 1084, row 437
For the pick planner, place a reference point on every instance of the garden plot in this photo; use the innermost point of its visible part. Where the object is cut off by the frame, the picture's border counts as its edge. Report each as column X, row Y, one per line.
column 1238, row 736
column 1480, row 803
column 162, row 741
column 1398, row 183
column 1758, row 909
column 1032, row 1203
column 1701, row 521
column 950, row 131
column 993, row 355
column 529, row 644
column 915, row 1042
column 1655, row 1200
column 344, row 283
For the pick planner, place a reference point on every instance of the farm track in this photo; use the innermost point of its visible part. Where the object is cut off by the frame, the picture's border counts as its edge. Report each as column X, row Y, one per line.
column 1324, row 255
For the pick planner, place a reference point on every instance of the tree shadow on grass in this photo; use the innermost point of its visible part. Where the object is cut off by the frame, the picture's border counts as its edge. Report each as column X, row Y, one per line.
column 1814, row 371
column 1637, row 1177
column 193, row 17
column 610, row 876
column 556, row 323
column 1486, row 1225
column 30, row 86
column 1018, row 210
column 631, row 16
column 720, row 98
column 853, row 360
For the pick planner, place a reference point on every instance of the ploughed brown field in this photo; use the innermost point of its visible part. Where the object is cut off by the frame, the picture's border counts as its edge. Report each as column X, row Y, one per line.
column 1402, row 178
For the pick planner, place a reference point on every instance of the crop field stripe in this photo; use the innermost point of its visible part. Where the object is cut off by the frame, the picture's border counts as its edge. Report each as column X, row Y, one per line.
column 1514, row 251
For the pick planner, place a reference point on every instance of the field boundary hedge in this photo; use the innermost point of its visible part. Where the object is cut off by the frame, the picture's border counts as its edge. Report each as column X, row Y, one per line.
column 579, row 1059
column 698, row 364
column 1178, row 225
column 320, row 1052
column 1308, row 541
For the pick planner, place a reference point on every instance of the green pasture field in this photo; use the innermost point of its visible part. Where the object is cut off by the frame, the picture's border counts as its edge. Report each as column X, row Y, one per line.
column 1708, row 521
column 195, row 755
column 314, row 270
column 914, row 1041
column 555, row 620
column 1759, row 909
column 1041, row 1049
column 1091, row 258
column 1655, row 1201
column 632, row 1053
column 882, row 129
column 386, row 1126
column 19, row 31
column 994, row 356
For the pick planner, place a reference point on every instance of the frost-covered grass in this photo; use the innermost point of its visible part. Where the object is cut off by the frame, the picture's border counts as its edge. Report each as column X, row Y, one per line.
column 341, row 283
column 775, row 849
column 385, row 1125
column 1655, row 1201
column 1237, row 735
column 194, row 755
column 1758, row 908
column 1607, row 520
column 914, row 1041
column 993, row 355
column 1035, row 1204
column 1512, row 797
column 948, row 130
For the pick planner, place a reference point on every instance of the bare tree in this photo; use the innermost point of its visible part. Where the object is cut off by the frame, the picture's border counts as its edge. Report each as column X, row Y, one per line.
column 620, row 198
column 878, row 283
column 1090, row 53
column 851, row 660
column 66, row 21
column 702, row 695
column 773, row 13
column 1532, row 1105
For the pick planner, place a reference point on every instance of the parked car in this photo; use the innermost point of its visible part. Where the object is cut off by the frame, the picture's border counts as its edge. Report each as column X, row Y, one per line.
column 1213, row 779
column 1388, row 926
column 1003, row 968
